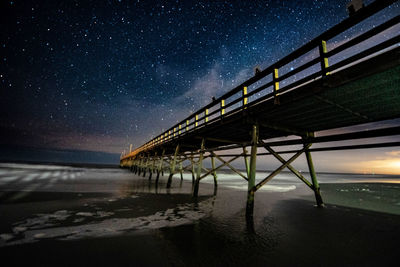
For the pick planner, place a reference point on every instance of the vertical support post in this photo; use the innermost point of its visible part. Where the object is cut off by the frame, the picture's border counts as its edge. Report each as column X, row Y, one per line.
column 181, row 170
column 198, row 173
column 214, row 172
column 145, row 167
column 222, row 107
column 192, row 162
column 324, row 59
column 160, row 166
column 244, row 93
column 246, row 162
column 140, row 166
column 152, row 166
column 314, row 180
column 252, row 172
column 172, row 167
column 130, row 148
column 276, row 86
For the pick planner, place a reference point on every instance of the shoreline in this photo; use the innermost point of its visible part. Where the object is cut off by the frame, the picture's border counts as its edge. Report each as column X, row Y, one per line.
column 127, row 220
column 223, row 170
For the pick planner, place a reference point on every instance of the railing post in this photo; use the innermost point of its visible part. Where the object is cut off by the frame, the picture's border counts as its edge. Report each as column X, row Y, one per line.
column 276, row 86
column 222, row 107
column 172, row 168
column 199, row 167
column 252, row 172
column 244, row 94
column 324, row 59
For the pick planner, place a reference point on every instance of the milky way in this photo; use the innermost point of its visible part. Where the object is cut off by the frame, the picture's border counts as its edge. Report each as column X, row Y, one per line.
column 99, row 75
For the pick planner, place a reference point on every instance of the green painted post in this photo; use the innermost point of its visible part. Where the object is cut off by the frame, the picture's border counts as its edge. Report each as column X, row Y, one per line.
column 252, row 172
column 246, row 162
column 198, row 173
column 140, row 166
column 181, row 170
column 152, row 166
column 145, row 167
column 160, row 166
column 192, row 162
column 276, row 86
column 324, row 60
column 214, row 171
column 172, row 167
column 314, row 180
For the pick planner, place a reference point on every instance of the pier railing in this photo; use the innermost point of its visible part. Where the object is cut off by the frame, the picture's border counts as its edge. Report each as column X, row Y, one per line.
column 281, row 77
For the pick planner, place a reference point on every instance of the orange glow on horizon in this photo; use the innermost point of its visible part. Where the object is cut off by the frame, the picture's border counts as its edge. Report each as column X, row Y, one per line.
column 388, row 165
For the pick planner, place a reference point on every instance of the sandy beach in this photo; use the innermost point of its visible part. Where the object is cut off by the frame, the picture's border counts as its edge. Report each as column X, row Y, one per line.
column 60, row 215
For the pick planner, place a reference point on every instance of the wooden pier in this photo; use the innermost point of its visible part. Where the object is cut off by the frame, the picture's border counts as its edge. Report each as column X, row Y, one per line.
column 282, row 101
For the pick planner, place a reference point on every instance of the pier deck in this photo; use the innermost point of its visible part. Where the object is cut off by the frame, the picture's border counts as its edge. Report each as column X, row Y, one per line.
column 282, row 100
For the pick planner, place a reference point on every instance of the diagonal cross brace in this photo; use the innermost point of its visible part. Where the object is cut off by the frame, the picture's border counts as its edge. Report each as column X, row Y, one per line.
column 232, row 168
column 278, row 170
column 220, row 166
column 290, row 167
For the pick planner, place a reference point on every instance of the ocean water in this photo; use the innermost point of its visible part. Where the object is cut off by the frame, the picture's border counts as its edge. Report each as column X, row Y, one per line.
column 43, row 204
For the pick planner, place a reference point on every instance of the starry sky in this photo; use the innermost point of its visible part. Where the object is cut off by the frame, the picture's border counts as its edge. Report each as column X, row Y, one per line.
column 81, row 80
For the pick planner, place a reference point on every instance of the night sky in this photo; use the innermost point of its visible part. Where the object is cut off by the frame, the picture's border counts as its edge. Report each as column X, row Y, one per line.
column 81, row 80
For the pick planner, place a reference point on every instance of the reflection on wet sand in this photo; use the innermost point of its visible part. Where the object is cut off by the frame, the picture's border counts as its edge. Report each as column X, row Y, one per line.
column 44, row 208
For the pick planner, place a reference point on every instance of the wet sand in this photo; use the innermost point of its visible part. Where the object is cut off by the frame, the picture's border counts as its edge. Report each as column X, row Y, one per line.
column 112, row 217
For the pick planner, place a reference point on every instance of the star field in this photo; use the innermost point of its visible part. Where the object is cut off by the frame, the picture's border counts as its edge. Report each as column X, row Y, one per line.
column 99, row 75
